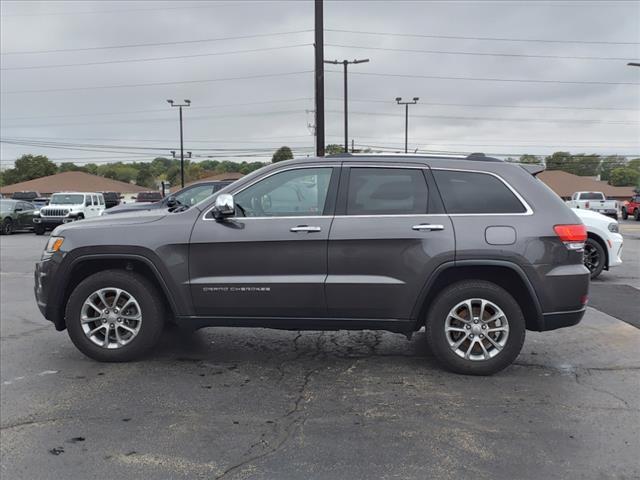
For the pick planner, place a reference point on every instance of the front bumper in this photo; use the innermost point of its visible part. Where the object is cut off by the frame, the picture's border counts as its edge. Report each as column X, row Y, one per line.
column 44, row 274
column 614, row 247
column 52, row 222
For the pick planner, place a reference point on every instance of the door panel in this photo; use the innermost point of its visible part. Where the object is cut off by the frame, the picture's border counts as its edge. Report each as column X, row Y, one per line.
column 378, row 265
column 259, row 267
column 270, row 260
column 385, row 245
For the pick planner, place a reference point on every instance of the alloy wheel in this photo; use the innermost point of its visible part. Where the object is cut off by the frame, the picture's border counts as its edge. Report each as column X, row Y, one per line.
column 476, row 329
column 111, row 317
column 591, row 257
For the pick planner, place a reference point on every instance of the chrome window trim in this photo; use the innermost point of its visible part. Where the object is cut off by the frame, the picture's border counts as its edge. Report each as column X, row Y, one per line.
column 276, row 171
column 528, row 210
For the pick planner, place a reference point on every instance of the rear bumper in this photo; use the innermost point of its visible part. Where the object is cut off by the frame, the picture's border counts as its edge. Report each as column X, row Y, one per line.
column 555, row 320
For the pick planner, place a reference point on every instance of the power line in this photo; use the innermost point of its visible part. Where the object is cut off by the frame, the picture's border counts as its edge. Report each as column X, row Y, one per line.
column 484, row 54
column 156, row 120
column 100, row 12
column 155, row 110
column 503, row 119
column 156, row 84
column 154, row 59
column 243, row 140
column 300, row 99
column 490, row 79
column 157, row 44
column 485, row 105
column 492, row 39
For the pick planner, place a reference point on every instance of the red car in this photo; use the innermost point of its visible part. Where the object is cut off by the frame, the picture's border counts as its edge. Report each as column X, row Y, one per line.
column 632, row 208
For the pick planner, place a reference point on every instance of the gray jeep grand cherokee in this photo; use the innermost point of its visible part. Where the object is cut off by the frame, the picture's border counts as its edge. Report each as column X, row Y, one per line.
column 473, row 249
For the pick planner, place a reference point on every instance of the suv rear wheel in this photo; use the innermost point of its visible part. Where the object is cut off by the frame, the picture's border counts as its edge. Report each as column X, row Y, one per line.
column 114, row 316
column 475, row 327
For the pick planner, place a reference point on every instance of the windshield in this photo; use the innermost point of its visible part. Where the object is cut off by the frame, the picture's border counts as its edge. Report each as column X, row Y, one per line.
column 67, row 199
column 6, row 206
column 191, row 196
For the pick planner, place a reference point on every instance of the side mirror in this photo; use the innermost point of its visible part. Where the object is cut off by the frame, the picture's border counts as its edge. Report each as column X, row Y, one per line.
column 224, row 206
column 172, row 202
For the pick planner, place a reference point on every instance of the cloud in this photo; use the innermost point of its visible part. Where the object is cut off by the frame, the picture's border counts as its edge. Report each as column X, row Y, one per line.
column 247, row 122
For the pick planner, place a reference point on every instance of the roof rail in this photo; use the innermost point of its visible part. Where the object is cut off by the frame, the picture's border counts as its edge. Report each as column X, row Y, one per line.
column 479, row 156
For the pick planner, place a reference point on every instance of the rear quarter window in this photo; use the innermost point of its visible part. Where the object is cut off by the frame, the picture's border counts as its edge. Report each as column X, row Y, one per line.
column 475, row 192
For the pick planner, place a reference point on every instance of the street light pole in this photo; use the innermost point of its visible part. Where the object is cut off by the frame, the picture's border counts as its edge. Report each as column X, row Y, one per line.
column 186, row 103
column 345, row 64
column 406, row 119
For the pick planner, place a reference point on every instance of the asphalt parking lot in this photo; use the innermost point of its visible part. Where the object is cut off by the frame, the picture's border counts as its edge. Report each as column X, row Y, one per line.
column 236, row 403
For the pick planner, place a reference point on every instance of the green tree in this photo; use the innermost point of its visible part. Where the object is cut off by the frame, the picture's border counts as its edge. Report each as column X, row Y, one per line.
column 160, row 165
column 580, row 164
column 118, row 171
column 28, row 167
column 333, row 149
column 609, row 164
column 144, row 176
column 624, row 177
column 283, row 153
column 91, row 168
column 530, row 159
column 635, row 164
column 71, row 167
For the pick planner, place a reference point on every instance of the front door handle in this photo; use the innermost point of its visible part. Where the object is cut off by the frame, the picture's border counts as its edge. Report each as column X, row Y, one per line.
column 427, row 227
column 305, row 228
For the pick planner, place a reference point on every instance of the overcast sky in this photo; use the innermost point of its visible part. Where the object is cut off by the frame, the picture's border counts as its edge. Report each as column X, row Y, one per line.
column 598, row 113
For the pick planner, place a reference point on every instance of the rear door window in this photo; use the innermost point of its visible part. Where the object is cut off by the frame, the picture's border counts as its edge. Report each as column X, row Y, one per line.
column 475, row 192
column 386, row 191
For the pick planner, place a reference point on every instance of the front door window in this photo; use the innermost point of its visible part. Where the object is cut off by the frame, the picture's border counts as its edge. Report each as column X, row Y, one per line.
column 298, row 192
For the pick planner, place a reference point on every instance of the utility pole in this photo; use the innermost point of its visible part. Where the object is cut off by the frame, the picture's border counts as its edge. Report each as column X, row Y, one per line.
column 186, row 103
column 319, row 77
column 406, row 119
column 345, row 63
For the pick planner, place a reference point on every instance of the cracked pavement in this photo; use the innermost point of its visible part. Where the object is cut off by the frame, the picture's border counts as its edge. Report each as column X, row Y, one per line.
column 232, row 403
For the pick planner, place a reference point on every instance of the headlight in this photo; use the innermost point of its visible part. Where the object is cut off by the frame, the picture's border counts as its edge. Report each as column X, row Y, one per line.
column 613, row 227
column 54, row 244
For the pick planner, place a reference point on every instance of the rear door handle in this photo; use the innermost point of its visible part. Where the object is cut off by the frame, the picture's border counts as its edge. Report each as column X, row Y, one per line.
column 305, row 228
column 427, row 227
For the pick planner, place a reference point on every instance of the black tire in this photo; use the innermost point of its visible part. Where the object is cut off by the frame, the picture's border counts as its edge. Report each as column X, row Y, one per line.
column 625, row 215
column 7, row 227
column 474, row 289
column 39, row 229
column 151, row 306
column 636, row 214
column 594, row 257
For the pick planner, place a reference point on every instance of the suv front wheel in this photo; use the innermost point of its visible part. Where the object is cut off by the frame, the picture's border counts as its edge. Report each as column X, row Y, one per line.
column 475, row 327
column 114, row 316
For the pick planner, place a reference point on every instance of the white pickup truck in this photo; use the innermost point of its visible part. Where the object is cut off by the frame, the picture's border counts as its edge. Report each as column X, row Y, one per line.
column 595, row 201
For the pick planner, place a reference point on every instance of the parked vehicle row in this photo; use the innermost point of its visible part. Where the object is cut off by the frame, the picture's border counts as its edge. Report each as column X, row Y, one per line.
column 595, row 201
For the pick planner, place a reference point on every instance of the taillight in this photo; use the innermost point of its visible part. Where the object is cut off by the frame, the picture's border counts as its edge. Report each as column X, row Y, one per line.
column 586, row 205
column 573, row 236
